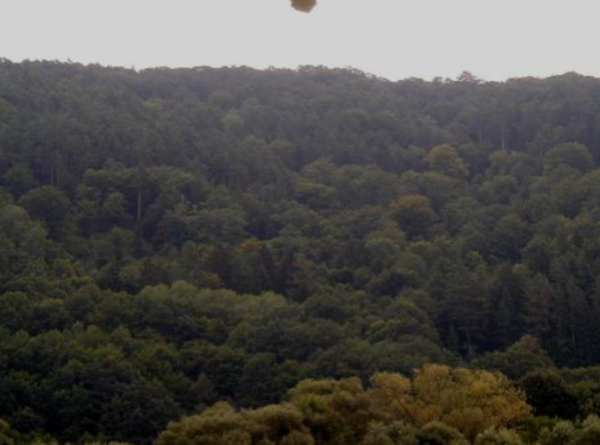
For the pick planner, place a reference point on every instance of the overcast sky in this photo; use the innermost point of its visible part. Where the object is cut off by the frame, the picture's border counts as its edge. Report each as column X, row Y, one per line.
column 495, row 39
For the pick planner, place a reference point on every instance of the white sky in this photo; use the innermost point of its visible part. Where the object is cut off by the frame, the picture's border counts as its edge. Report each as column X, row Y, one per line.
column 495, row 39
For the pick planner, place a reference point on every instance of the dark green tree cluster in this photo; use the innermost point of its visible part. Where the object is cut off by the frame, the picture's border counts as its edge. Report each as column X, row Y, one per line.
column 108, row 365
column 170, row 238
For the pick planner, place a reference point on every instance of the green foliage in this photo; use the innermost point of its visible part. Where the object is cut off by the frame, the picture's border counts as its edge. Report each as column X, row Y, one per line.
column 436, row 433
column 170, row 238
column 586, row 432
column 572, row 156
column 516, row 361
column 413, row 214
column 49, row 205
column 221, row 424
column 6, row 434
column 549, row 395
column 395, row 433
column 446, row 160
column 498, row 437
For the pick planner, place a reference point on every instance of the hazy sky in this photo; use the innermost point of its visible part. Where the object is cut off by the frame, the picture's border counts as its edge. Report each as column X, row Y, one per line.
column 495, row 39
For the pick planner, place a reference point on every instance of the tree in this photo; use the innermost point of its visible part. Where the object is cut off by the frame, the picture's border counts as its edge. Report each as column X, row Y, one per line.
column 498, row 437
column 586, row 432
column 140, row 412
column 222, row 424
column 395, row 433
column 6, row 434
column 437, row 433
column 49, row 205
column 539, row 300
column 573, row 156
column 446, row 160
column 471, row 401
column 24, row 246
column 414, row 214
column 517, row 360
column 549, row 395
column 335, row 411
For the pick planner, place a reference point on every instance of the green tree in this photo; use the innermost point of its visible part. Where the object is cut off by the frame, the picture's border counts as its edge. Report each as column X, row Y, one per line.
column 573, row 156
column 414, row 214
column 446, row 160
column 517, row 360
column 50, row 205
column 549, row 395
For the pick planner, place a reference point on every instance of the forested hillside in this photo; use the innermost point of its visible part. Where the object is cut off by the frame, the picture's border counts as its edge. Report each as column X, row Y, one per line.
column 170, row 238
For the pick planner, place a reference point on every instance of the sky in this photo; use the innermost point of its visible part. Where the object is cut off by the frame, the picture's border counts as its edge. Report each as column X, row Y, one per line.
column 395, row 39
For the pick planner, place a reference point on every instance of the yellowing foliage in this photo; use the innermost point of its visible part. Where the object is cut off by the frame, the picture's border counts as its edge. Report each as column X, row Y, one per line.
column 471, row 401
column 454, row 404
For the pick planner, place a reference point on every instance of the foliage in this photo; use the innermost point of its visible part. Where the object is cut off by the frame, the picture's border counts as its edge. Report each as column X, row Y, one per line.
column 549, row 394
column 394, row 410
column 171, row 238
column 470, row 401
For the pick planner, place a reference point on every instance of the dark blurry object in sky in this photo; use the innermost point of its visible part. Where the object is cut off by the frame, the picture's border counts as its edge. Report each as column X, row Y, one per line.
column 304, row 5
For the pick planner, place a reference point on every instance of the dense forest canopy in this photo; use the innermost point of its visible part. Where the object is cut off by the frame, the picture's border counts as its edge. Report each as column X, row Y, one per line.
column 171, row 238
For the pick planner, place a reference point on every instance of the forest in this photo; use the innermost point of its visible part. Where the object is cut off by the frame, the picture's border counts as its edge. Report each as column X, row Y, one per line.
column 299, row 257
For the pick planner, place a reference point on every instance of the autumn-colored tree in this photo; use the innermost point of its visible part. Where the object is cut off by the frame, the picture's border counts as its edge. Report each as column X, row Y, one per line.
column 471, row 401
